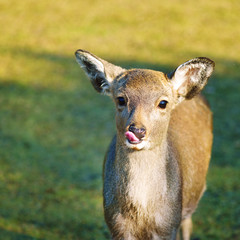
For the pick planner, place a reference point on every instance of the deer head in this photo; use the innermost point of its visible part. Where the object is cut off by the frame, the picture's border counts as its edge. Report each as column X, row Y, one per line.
column 144, row 98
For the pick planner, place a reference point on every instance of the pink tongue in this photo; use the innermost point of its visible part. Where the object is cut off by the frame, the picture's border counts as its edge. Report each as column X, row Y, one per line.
column 131, row 137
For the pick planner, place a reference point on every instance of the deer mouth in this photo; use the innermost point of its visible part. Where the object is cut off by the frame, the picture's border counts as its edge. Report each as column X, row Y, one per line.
column 132, row 138
column 133, row 142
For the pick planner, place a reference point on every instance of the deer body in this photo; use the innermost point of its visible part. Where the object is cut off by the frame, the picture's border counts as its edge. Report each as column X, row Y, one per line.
column 155, row 168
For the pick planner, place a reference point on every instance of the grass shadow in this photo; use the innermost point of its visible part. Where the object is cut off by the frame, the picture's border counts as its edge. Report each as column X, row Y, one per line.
column 54, row 136
column 8, row 235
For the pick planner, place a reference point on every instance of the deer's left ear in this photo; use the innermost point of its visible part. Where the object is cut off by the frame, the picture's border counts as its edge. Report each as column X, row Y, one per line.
column 191, row 77
column 100, row 72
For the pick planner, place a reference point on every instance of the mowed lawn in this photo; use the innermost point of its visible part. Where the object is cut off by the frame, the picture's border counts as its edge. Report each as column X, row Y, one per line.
column 54, row 128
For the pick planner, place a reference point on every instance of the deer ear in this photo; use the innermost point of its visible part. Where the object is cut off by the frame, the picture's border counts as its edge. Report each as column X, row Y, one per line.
column 100, row 72
column 191, row 77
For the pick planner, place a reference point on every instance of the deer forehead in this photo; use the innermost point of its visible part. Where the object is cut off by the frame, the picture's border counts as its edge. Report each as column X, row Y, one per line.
column 142, row 83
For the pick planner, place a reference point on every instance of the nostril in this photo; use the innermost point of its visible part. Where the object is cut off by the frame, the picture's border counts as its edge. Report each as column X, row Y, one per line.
column 132, row 128
column 139, row 132
column 143, row 131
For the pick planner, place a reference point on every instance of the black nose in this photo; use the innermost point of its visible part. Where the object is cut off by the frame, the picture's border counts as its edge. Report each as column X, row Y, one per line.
column 139, row 132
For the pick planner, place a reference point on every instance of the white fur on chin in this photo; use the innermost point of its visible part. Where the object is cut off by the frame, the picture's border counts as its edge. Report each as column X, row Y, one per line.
column 137, row 146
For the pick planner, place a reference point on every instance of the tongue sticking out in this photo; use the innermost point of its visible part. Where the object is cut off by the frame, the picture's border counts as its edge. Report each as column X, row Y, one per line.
column 131, row 137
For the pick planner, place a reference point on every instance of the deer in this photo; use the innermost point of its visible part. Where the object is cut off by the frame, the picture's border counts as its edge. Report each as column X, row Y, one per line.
column 155, row 168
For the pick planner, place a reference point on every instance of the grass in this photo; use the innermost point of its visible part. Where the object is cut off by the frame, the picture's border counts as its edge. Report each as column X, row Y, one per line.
column 54, row 128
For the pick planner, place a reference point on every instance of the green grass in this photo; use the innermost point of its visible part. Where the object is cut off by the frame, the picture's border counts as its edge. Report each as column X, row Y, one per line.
column 54, row 129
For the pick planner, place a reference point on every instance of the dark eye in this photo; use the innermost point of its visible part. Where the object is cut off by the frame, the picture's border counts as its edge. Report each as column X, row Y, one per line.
column 121, row 101
column 163, row 104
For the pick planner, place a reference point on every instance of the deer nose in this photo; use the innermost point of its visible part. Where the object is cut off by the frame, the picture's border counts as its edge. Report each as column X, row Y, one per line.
column 139, row 132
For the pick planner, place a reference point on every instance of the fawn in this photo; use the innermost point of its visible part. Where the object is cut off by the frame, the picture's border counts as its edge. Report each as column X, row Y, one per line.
column 155, row 168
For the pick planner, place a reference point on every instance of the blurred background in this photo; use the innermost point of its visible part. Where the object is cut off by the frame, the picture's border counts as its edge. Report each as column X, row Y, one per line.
column 54, row 128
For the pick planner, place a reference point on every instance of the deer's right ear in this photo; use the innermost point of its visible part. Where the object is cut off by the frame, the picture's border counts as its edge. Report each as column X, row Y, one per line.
column 191, row 77
column 100, row 72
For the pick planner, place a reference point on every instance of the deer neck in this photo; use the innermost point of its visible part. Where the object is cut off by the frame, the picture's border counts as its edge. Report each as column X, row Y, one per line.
column 144, row 175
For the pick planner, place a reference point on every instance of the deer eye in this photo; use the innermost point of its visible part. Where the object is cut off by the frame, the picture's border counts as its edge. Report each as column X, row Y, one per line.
column 163, row 104
column 121, row 101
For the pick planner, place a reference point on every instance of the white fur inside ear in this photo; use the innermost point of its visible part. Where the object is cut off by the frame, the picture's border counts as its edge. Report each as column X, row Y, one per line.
column 105, row 89
column 189, row 71
column 97, row 63
column 87, row 57
column 179, row 77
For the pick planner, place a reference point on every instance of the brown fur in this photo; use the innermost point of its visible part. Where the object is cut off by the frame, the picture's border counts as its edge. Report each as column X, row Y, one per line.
column 153, row 186
column 192, row 116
